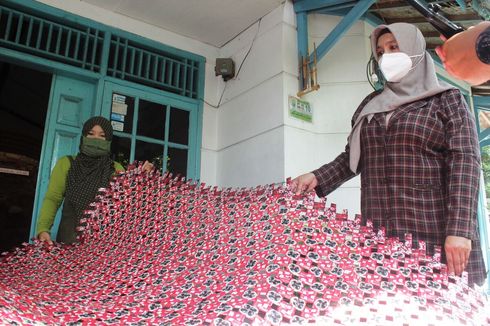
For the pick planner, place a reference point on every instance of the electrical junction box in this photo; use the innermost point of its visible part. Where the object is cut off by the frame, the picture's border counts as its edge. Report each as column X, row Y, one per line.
column 224, row 67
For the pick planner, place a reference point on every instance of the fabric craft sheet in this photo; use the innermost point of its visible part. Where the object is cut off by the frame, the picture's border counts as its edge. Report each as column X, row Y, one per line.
column 156, row 250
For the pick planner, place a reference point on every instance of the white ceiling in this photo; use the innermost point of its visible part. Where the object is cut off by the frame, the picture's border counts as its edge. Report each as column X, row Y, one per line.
column 213, row 22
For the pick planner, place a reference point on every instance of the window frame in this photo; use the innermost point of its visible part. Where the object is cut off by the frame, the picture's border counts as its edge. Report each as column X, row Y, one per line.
column 139, row 92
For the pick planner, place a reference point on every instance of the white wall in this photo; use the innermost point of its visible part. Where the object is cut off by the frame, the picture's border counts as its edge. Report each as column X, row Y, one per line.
column 343, row 85
column 258, row 142
column 250, row 117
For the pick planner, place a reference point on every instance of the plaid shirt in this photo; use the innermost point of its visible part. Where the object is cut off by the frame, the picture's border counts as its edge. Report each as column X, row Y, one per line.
column 419, row 174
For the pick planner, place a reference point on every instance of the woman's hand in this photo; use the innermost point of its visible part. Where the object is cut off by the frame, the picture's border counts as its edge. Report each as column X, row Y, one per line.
column 457, row 253
column 304, row 183
column 46, row 237
column 147, row 166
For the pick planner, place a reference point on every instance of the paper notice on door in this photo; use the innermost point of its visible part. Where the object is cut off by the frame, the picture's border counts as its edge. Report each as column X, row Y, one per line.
column 117, row 126
column 117, row 117
column 119, row 108
column 116, row 98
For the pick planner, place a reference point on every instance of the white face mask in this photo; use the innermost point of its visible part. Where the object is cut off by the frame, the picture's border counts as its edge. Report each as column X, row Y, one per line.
column 396, row 65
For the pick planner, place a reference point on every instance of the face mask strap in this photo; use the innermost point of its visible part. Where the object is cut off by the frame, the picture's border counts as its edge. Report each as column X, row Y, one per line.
column 419, row 61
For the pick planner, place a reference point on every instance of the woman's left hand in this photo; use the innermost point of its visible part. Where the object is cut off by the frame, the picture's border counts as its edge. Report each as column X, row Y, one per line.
column 147, row 166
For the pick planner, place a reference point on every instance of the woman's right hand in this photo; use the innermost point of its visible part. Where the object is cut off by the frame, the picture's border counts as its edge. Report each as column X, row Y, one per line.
column 44, row 236
column 147, row 166
column 304, row 183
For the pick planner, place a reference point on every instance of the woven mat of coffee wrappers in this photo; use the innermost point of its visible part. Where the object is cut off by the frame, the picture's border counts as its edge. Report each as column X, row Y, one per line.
column 158, row 250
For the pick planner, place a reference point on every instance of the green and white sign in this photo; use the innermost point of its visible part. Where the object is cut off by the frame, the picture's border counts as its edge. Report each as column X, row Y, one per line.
column 300, row 109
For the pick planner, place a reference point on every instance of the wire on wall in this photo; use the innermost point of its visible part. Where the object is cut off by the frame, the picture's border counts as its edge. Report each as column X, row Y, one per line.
column 239, row 67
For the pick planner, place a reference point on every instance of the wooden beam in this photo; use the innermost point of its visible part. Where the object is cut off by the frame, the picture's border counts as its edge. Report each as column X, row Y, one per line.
column 481, row 90
column 431, row 33
column 432, row 46
column 389, row 5
column 398, row 5
column 421, row 19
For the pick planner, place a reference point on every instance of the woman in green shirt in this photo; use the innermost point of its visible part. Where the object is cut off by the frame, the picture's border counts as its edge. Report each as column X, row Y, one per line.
column 77, row 180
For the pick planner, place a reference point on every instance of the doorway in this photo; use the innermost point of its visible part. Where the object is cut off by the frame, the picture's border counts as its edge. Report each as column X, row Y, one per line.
column 24, row 99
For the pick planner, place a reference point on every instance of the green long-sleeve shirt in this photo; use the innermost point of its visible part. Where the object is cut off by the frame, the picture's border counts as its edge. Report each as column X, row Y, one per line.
column 56, row 193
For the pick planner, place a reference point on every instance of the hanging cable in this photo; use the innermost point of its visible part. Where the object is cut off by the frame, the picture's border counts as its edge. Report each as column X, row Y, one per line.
column 239, row 67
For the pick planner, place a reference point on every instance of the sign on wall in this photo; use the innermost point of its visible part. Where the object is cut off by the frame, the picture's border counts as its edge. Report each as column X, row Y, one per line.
column 300, row 109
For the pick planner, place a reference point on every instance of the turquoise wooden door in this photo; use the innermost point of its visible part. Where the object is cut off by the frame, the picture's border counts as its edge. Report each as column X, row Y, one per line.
column 71, row 104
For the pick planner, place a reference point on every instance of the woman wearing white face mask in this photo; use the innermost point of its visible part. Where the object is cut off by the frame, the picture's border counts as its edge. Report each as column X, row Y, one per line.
column 415, row 145
column 394, row 64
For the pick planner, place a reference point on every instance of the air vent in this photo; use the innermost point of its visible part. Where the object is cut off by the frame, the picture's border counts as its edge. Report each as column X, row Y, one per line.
column 77, row 43
column 76, row 46
column 152, row 67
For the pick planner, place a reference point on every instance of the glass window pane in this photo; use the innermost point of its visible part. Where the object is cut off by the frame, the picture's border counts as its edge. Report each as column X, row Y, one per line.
column 149, row 152
column 122, row 111
column 151, row 120
column 121, row 149
column 177, row 163
column 179, row 126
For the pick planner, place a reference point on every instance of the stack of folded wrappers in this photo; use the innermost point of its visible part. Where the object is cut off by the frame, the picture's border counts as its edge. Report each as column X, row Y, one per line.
column 157, row 250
